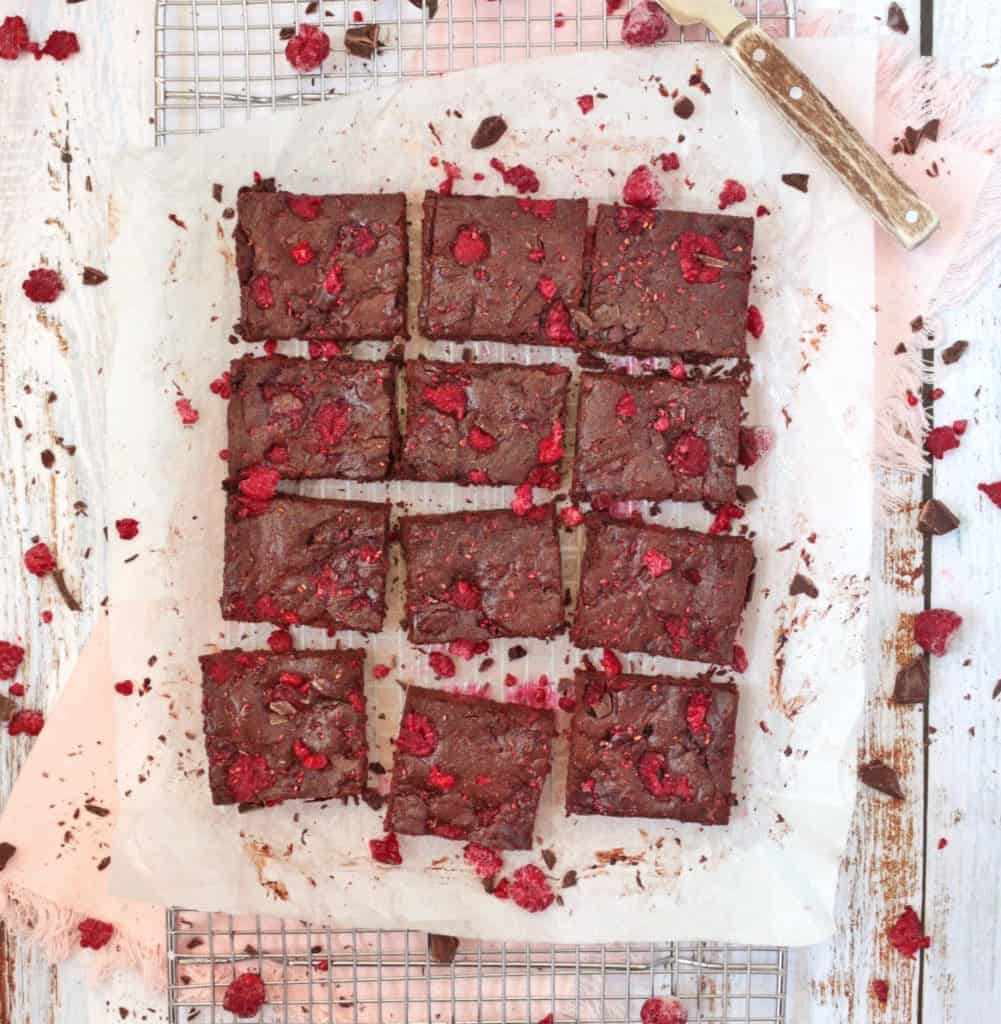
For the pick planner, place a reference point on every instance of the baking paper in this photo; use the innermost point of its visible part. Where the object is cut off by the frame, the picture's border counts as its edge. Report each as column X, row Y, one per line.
column 767, row 878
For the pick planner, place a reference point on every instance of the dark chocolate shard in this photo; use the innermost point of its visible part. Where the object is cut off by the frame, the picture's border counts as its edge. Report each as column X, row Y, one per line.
column 441, row 948
column 896, row 19
column 997, row 690
column 797, row 181
column 746, row 493
column 550, row 858
column 217, row 192
column 362, row 41
column 803, row 585
column 911, row 684
column 569, row 879
column 954, row 352
column 489, row 130
column 430, row 6
column 516, row 652
column 936, row 518
column 286, row 32
column 881, row 777
column 93, row 276
column 7, row 850
column 101, row 812
column 684, row 107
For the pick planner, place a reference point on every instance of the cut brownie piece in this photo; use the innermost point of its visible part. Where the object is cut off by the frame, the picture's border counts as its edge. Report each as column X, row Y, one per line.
column 484, row 423
column 294, row 560
column 675, row 593
column 651, row 437
column 665, row 282
column 313, row 417
column 284, row 726
column 652, row 747
column 469, row 768
column 330, row 267
column 478, row 575
column 502, row 268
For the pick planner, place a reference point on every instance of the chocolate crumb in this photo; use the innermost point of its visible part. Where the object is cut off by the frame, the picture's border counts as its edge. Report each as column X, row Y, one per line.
column 7, row 708
column 489, row 130
column 881, row 777
column 954, row 352
column 911, row 684
column 441, row 948
column 174, row 219
column 48, row 458
column 229, row 213
column 917, row 324
column 896, row 19
column 7, row 850
column 101, row 812
column 486, row 664
column 997, row 690
column 93, row 276
column 376, row 768
column 550, row 858
column 312, row 6
column 746, row 494
column 286, row 33
column 362, row 41
column 217, row 192
column 801, row 182
column 684, row 108
column 900, row 349
column 516, row 652
column 103, row 863
column 569, row 879
column 936, row 518
column 194, row 943
column 802, row 585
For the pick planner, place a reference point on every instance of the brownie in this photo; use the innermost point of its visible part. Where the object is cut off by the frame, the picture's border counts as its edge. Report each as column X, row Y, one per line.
column 502, row 268
column 284, row 726
column 651, row 747
column 651, row 437
column 651, row 294
column 313, row 417
column 469, row 768
column 675, row 593
column 330, row 267
column 308, row 561
column 484, row 423
column 478, row 575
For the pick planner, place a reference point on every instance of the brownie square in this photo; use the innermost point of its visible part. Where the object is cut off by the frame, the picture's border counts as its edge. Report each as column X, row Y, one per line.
column 651, row 294
column 651, row 437
column 478, row 575
column 284, row 726
column 484, row 423
column 308, row 561
column 331, row 267
column 469, row 768
column 502, row 268
column 652, row 747
column 313, row 417
column 674, row 593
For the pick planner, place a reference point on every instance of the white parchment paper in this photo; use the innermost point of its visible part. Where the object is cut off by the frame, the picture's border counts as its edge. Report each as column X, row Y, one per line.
column 770, row 876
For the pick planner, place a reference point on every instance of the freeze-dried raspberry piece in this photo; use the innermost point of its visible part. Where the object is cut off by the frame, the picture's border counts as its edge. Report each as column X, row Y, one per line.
column 380, row 671
column 187, row 412
column 522, row 502
column 481, row 441
column 452, row 173
column 610, row 662
column 128, row 529
column 880, row 989
column 530, row 889
column 668, row 161
column 633, row 221
column 259, row 483
column 302, row 253
column 470, row 247
column 942, row 439
column 641, row 188
column 324, row 349
column 245, row 995
column 663, row 1011
column 260, row 289
column 332, row 420
column 386, row 850
column 551, row 447
column 724, row 519
column 60, row 45
column 94, row 934
column 586, row 103
column 221, row 386
column 625, row 407
column 690, row 455
column 333, row 282
column 739, row 658
column 11, row 656
column 540, row 209
column 645, row 24
column 468, row 649
column 125, row 687
column 934, row 627
column 418, row 735
column 523, row 178
column 755, row 322
column 753, row 442
column 547, row 288
column 42, row 285
column 696, row 713
column 39, row 560
column 305, row 207
column 247, row 776
column 906, row 934
column 656, row 562
column 466, row 595
column 308, row 49
column 440, row 779
column 690, row 248
column 449, row 399
column 993, row 491
column 571, row 516
column 14, row 39
column 732, row 192
column 311, row 760
column 30, row 723
column 487, row 862
column 658, row 781
column 559, row 328
column 441, row 665
column 611, row 6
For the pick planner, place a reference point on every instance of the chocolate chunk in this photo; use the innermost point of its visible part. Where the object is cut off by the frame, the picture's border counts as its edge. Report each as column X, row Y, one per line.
column 217, row 192
column 802, row 585
column 7, row 850
column 569, row 879
column 954, row 352
column 550, row 858
column 896, row 19
column 997, row 690
column 746, row 494
column 489, row 130
column 516, row 652
column 362, row 41
column 103, row 863
column 229, row 213
column 911, row 684
column 900, row 349
column 684, row 107
column 912, row 138
column 879, row 776
column 376, row 768
column 287, row 32
column 936, row 518
column 312, row 6
column 431, row 6
column 91, row 275
column 441, row 948
column 48, row 458
column 797, row 181
column 373, row 798
column 917, row 324
column 101, row 812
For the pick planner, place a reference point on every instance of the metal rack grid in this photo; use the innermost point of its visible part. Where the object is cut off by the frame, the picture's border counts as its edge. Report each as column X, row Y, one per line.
column 221, row 62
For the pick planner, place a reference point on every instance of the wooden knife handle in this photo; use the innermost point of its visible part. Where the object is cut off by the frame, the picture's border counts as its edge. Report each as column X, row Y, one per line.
column 818, row 122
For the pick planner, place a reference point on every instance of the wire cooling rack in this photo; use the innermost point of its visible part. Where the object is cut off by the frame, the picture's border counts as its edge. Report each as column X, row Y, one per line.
column 221, row 62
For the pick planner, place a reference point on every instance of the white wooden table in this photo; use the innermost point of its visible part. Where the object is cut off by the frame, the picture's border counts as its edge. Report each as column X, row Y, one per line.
column 60, row 123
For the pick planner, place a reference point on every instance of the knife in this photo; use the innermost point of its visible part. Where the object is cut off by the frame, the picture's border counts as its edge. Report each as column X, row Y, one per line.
column 813, row 117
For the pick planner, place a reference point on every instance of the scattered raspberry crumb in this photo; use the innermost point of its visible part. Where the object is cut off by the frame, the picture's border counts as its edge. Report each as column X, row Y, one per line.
column 386, row 850
column 657, row 563
column 558, row 327
column 732, row 192
column 11, row 656
column 571, row 516
column 46, row 616
column 245, row 995
column 523, row 178
column 739, row 658
column 14, row 39
column 452, row 173
column 259, row 483
column 449, row 399
column 668, row 161
column 610, row 662
column 550, row 449
column 880, row 989
column 187, row 412
column 933, row 629
column 625, row 407
column 943, row 843
column 42, row 285
column 658, row 781
column 548, row 1019
column 762, row 211
column 380, row 671
column 724, row 519
column 94, row 934
column 418, row 735
column 308, row 49
column 128, row 529
column 912, row 399
column 125, row 687
column 690, row 248
column 502, row 890
column 663, row 1011
column 937, row 393
column 522, row 502
column 645, row 24
column 468, row 649
column 993, row 491
column 469, row 247
column 586, row 103
column 530, row 889
column 39, row 560
column 324, row 349
column 678, row 371
column 611, row 6
column 755, row 322
column 486, row 861
column 943, row 439
column 60, row 45
column 441, row 665
column 17, row 690
column 641, row 188
column 357, row 16
column 30, row 723
column 906, row 934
